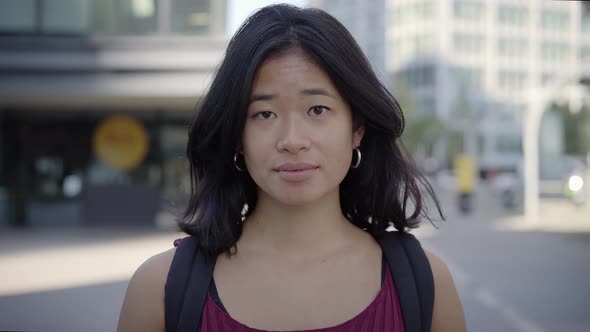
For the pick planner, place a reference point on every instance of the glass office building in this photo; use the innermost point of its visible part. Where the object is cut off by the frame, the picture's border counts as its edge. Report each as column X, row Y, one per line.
column 484, row 58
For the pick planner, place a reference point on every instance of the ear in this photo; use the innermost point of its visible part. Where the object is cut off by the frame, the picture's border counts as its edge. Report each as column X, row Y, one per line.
column 357, row 136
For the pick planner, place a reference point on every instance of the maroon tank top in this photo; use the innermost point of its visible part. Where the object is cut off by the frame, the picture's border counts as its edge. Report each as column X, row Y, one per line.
column 382, row 315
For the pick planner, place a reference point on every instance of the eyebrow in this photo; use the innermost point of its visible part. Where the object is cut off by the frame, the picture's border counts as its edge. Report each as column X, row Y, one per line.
column 317, row 91
column 307, row 92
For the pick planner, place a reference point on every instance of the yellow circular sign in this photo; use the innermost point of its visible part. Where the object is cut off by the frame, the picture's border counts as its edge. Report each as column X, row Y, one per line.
column 121, row 142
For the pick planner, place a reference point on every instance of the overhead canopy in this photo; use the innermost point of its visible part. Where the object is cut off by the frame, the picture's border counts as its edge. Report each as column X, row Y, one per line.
column 116, row 73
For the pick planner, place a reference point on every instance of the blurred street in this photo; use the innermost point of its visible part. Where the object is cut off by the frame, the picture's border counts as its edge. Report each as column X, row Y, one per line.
column 510, row 277
column 517, row 279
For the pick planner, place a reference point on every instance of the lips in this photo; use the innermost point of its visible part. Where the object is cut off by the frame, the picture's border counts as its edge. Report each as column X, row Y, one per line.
column 296, row 172
column 294, row 167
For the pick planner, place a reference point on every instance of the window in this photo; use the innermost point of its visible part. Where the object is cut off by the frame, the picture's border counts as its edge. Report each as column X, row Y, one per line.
column 512, row 15
column 398, row 16
column 585, row 54
column 421, row 76
column 125, row 17
column 106, row 17
column 423, row 45
column 79, row 16
column 407, row 49
column 469, row 10
column 17, row 15
column 471, row 78
column 512, row 46
column 585, row 22
column 509, row 144
column 426, row 106
column 397, row 49
column 416, row 77
column 512, row 80
column 554, row 51
column 190, row 16
column 554, row 20
column 510, row 111
column 468, row 43
column 507, row 111
column 424, row 10
column 66, row 16
column 411, row 13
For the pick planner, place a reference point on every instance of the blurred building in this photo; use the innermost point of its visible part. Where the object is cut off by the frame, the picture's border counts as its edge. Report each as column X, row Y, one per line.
column 366, row 21
column 95, row 98
column 473, row 63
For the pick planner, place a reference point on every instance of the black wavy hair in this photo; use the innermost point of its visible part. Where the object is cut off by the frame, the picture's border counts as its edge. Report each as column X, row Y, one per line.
column 377, row 194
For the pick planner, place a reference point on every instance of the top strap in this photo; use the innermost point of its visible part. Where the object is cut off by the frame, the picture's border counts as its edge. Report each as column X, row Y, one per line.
column 413, row 278
column 423, row 276
column 186, row 286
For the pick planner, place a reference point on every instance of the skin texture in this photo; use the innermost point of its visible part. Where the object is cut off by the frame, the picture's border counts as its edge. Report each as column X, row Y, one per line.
column 298, row 118
column 448, row 311
column 143, row 308
column 300, row 264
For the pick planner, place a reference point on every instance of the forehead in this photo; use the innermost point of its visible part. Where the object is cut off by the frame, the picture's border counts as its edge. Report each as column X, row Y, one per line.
column 290, row 69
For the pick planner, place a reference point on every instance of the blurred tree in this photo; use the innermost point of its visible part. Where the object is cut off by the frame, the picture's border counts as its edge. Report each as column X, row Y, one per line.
column 576, row 128
column 455, row 143
column 461, row 126
column 422, row 128
column 584, row 129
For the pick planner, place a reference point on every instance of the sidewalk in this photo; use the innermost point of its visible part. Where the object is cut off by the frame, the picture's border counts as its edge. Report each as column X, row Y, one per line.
column 556, row 215
column 44, row 259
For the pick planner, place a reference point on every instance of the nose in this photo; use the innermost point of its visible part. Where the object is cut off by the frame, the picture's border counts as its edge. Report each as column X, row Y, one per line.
column 293, row 136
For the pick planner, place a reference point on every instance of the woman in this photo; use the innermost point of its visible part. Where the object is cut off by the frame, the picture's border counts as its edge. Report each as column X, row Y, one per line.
column 296, row 171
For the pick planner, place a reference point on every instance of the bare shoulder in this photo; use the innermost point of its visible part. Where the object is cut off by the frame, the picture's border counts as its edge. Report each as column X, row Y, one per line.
column 143, row 307
column 448, row 312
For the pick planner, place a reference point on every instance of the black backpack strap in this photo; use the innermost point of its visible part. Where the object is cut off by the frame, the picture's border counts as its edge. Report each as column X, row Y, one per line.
column 187, row 286
column 423, row 276
column 413, row 278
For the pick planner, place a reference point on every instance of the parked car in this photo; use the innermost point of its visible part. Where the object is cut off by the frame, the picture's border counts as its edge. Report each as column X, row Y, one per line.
column 509, row 186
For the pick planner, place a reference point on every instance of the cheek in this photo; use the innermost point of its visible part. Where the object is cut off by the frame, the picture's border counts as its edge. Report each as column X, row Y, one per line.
column 337, row 149
column 255, row 151
column 344, row 160
column 250, row 140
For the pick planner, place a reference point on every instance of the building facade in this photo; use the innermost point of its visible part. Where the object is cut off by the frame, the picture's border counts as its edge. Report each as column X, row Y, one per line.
column 95, row 100
column 474, row 63
column 366, row 21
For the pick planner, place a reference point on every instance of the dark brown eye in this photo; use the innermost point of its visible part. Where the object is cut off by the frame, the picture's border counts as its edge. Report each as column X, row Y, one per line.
column 264, row 115
column 317, row 110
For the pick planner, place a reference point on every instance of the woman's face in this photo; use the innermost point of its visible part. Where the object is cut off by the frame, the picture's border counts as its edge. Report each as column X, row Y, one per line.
column 298, row 136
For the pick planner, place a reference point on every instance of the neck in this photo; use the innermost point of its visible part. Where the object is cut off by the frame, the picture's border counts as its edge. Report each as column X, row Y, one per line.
column 304, row 229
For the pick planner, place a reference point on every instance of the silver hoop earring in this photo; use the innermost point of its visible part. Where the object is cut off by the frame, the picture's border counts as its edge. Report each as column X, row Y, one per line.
column 358, row 158
column 236, row 162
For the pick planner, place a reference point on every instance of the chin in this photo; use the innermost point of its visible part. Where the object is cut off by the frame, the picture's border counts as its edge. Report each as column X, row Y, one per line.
column 295, row 201
column 296, row 197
